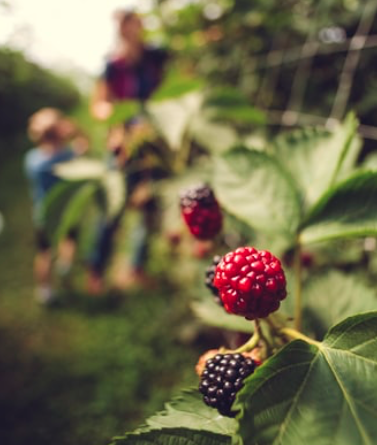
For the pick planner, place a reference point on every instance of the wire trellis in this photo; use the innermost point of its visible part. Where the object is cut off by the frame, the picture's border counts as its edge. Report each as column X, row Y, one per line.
column 303, row 57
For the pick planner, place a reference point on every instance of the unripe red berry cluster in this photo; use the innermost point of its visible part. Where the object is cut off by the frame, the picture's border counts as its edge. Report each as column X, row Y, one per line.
column 201, row 212
column 251, row 282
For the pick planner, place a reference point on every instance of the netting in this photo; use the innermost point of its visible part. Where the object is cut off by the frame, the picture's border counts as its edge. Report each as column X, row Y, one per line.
column 327, row 49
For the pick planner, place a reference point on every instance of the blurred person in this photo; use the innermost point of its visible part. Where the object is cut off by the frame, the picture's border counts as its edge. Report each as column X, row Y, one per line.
column 57, row 139
column 132, row 72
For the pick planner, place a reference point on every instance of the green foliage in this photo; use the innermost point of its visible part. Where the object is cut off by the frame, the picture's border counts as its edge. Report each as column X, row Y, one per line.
column 25, row 87
column 124, row 111
column 347, row 295
column 308, row 187
column 66, row 371
column 316, row 393
column 306, row 393
column 229, row 105
column 318, row 159
column 195, row 420
column 175, row 436
column 346, row 210
column 303, row 188
column 86, row 183
column 253, row 186
column 309, row 392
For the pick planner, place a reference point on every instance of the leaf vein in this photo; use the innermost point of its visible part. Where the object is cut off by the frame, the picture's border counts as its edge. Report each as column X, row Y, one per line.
column 284, row 424
column 347, row 399
column 339, row 337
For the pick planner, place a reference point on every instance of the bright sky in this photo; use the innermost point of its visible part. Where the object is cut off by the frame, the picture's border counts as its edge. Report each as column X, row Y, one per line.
column 63, row 33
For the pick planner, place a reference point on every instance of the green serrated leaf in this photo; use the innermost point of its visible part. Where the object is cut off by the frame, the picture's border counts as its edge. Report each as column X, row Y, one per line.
column 172, row 118
column 173, row 436
column 316, row 158
column 185, row 420
column 316, row 394
column 252, row 186
column 331, row 296
column 216, row 137
column 189, row 411
column 347, row 210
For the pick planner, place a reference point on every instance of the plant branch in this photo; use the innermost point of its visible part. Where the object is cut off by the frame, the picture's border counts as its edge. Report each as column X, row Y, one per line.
column 298, row 287
column 253, row 340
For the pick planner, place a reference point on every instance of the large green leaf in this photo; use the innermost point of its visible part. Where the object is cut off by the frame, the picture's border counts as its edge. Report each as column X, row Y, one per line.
column 347, row 210
column 185, row 420
column 172, row 118
column 213, row 136
column 173, row 436
column 111, row 181
column 317, row 158
column 229, row 104
column 331, row 296
column 252, row 186
column 189, row 411
column 316, row 394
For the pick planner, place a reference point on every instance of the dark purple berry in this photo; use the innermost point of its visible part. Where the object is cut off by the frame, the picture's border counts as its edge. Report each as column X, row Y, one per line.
column 222, row 378
column 209, row 277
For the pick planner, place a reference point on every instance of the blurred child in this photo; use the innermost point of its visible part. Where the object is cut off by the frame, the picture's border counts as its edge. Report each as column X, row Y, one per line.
column 54, row 136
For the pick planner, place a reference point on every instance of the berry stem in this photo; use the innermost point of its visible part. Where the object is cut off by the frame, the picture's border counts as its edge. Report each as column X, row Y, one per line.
column 298, row 287
column 293, row 334
column 253, row 340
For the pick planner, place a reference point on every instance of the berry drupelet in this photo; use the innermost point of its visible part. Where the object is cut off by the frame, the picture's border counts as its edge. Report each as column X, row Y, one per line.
column 201, row 212
column 223, row 376
column 251, row 282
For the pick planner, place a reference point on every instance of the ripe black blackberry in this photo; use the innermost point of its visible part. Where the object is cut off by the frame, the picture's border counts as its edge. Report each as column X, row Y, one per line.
column 222, row 378
column 210, row 275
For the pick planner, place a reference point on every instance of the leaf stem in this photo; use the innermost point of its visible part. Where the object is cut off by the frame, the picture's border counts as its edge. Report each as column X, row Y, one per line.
column 298, row 287
column 293, row 334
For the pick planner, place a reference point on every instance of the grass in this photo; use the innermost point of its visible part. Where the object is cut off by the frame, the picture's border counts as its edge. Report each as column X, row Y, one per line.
column 89, row 369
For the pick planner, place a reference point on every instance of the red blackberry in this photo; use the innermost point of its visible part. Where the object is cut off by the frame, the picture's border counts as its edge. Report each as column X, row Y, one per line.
column 201, row 212
column 222, row 378
column 251, row 282
column 210, row 275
